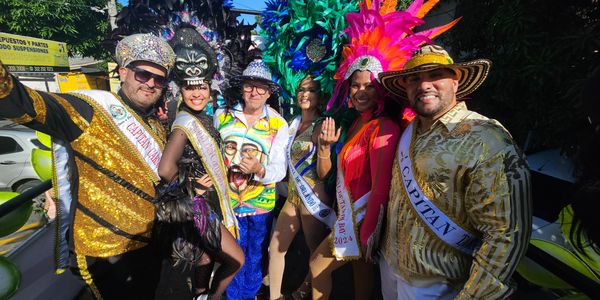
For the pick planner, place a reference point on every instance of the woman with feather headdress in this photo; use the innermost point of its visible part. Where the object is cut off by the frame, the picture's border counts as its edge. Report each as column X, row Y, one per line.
column 380, row 39
column 303, row 50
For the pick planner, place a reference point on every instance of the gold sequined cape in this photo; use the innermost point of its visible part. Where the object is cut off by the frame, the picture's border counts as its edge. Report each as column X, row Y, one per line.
column 112, row 212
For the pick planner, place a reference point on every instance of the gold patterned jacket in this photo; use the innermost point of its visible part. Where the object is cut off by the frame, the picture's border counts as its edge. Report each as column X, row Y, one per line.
column 112, row 191
column 470, row 168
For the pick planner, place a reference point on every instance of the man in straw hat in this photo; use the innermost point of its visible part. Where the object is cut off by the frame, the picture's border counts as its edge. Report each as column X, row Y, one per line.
column 254, row 137
column 106, row 150
column 459, row 214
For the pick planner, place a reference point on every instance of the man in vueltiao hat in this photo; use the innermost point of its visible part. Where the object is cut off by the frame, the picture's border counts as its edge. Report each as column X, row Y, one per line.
column 106, row 150
column 459, row 213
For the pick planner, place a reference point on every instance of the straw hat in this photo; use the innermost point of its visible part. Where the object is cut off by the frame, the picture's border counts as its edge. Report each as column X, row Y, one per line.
column 470, row 74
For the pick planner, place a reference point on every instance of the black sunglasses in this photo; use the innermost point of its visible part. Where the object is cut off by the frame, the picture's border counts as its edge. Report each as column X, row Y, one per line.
column 144, row 76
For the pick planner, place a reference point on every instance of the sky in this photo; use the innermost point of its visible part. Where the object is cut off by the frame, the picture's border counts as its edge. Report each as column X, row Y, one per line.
column 249, row 4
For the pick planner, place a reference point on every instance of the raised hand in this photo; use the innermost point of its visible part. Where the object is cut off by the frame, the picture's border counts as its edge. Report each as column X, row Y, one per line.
column 329, row 134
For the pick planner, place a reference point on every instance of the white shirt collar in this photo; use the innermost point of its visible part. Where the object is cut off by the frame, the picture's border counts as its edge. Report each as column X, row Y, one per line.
column 238, row 112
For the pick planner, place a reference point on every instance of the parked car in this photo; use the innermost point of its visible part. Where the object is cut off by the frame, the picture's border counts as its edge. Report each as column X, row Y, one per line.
column 16, row 171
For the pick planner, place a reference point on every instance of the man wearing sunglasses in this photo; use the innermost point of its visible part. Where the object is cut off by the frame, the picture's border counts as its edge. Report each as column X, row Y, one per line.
column 143, row 83
column 106, row 150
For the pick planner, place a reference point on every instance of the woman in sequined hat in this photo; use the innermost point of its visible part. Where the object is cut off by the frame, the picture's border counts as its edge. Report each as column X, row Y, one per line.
column 380, row 39
column 196, row 226
column 303, row 51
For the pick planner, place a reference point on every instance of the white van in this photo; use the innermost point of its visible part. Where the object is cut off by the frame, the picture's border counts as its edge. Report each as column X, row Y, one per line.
column 16, row 171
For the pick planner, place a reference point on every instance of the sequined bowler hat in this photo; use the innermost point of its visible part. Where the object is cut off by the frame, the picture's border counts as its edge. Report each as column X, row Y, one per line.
column 144, row 47
column 470, row 74
column 256, row 70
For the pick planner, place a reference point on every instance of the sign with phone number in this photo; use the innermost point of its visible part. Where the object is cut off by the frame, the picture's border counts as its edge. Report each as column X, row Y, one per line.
column 13, row 68
column 27, row 54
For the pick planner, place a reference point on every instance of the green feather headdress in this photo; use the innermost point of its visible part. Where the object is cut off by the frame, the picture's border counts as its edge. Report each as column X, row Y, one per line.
column 304, row 37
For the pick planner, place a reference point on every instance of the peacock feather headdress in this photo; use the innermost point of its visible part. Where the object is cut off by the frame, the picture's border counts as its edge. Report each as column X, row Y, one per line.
column 212, row 19
column 381, row 39
column 303, row 38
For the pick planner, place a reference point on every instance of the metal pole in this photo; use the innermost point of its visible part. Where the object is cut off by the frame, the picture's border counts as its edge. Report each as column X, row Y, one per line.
column 246, row 11
column 27, row 196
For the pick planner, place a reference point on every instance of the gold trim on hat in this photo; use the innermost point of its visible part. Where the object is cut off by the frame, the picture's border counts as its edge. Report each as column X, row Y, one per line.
column 427, row 59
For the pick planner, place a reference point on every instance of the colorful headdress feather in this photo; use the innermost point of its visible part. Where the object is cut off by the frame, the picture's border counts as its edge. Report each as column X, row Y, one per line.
column 213, row 19
column 303, row 39
column 381, row 39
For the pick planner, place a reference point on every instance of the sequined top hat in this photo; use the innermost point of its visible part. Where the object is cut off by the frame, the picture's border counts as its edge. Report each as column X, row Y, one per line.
column 470, row 74
column 144, row 47
column 256, row 70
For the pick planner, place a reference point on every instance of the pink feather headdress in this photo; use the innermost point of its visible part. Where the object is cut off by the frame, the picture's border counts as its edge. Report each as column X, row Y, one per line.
column 381, row 39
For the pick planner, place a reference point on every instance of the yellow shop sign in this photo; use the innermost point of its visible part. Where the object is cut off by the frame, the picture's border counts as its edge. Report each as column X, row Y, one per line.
column 27, row 54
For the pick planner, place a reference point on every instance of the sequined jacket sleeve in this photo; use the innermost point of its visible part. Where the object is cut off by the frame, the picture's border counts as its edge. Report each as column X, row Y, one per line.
column 498, row 203
column 382, row 148
column 45, row 112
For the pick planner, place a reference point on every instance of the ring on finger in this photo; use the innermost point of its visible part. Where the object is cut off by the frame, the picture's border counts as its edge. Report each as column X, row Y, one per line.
column 324, row 132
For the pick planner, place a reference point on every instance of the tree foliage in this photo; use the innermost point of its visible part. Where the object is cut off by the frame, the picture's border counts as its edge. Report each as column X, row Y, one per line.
column 76, row 22
column 403, row 4
column 543, row 52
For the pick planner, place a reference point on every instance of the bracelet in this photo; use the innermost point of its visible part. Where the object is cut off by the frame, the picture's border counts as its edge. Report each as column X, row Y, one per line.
column 323, row 157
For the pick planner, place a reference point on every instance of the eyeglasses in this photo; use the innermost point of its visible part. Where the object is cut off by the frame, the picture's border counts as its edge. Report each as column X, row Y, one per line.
column 261, row 90
column 144, row 76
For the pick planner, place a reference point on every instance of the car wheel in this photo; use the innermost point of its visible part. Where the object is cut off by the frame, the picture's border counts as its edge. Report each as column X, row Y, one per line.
column 27, row 185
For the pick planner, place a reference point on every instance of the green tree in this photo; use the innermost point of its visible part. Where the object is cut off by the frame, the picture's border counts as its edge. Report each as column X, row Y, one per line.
column 403, row 4
column 80, row 23
column 542, row 54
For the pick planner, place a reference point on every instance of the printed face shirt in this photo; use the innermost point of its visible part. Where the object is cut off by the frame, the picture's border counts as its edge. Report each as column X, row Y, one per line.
column 266, row 140
column 469, row 167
